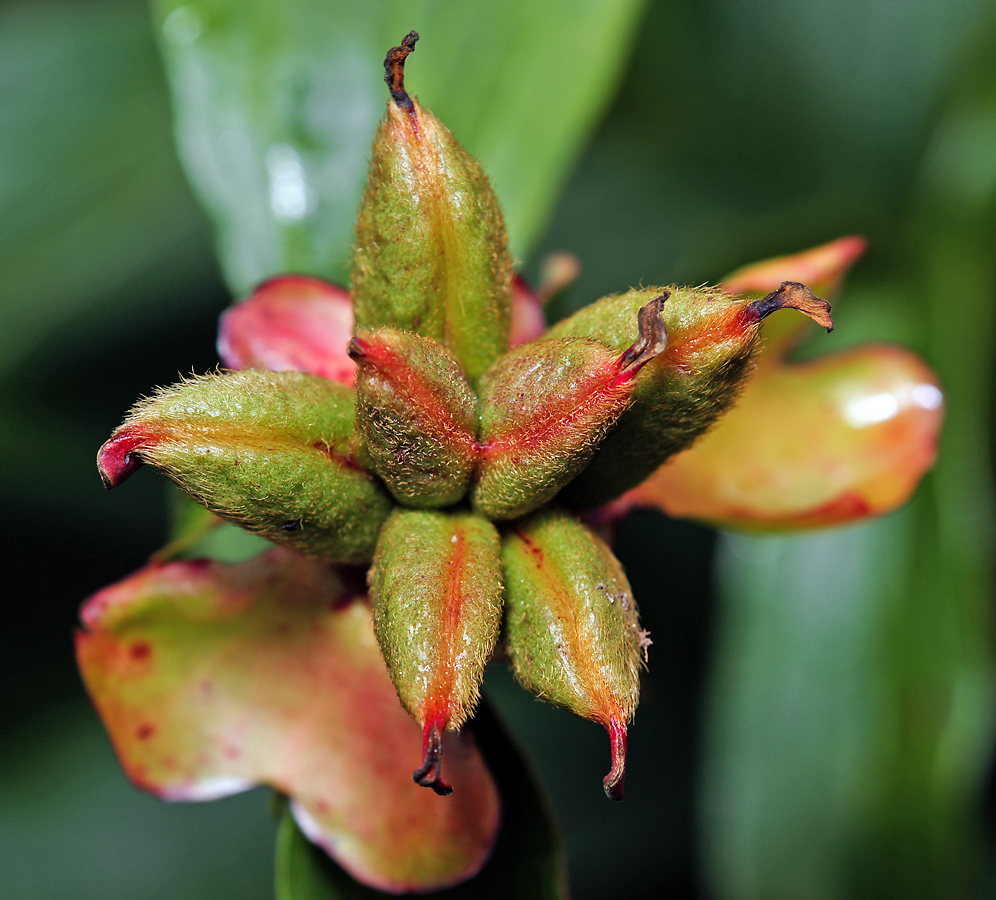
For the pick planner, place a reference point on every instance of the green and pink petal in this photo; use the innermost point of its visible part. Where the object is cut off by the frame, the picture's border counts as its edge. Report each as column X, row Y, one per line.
column 212, row 678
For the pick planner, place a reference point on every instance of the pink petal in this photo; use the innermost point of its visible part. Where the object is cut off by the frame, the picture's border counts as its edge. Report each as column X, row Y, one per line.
column 818, row 443
column 291, row 323
column 821, row 268
column 528, row 321
column 212, row 678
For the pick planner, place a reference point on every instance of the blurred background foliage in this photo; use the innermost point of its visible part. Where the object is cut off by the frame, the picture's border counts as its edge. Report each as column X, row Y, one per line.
column 818, row 717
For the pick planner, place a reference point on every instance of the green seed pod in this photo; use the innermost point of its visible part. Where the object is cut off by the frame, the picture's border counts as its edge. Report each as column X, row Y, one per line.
column 571, row 626
column 712, row 338
column 436, row 590
column 417, row 415
column 545, row 407
column 431, row 251
column 266, row 450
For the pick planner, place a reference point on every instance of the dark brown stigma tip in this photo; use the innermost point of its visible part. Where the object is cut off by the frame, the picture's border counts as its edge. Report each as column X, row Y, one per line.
column 653, row 335
column 430, row 773
column 394, row 69
column 356, row 349
column 792, row 295
column 615, row 782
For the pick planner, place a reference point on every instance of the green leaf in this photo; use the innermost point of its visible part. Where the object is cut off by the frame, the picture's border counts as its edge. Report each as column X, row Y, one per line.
column 197, row 533
column 300, row 866
column 276, row 106
column 91, row 196
column 527, row 863
column 854, row 703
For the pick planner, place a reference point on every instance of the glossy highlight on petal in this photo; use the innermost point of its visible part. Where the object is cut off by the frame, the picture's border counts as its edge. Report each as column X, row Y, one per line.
column 809, row 445
column 212, row 678
column 293, row 323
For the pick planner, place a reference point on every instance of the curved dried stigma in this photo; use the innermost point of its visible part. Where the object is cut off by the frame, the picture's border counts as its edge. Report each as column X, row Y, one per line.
column 431, row 253
column 394, row 69
column 712, row 339
column 430, row 773
column 653, row 334
column 792, row 295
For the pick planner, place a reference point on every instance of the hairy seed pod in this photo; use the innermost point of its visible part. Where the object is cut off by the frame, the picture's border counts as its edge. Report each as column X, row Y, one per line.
column 571, row 625
column 545, row 407
column 712, row 338
column 266, row 450
column 436, row 590
column 417, row 414
column 431, row 252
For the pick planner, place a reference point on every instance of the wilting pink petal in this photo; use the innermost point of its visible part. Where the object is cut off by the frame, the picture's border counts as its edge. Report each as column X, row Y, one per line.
column 811, row 444
column 528, row 321
column 291, row 323
column 212, row 678
column 558, row 271
column 821, row 268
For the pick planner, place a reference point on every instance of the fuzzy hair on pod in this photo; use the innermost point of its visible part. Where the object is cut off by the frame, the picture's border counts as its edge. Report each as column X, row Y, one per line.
column 266, row 450
column 431, row 253
column 571, row 625
column 547, row 405
column 417, row 414
column 436, row 589
column 712, row 339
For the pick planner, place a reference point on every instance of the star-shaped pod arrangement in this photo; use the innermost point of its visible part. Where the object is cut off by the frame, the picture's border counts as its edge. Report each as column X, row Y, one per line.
column 437, row 473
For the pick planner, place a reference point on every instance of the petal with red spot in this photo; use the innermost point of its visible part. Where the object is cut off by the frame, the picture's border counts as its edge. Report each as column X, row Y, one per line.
column 212, row 678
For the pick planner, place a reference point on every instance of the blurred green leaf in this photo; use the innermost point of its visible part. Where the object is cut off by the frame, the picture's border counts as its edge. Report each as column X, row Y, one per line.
column 196, row 533
column 300, row 874
column 91, row 196
column 276, row 105
column 854, row 701
column 73, row 828
column 528, row 861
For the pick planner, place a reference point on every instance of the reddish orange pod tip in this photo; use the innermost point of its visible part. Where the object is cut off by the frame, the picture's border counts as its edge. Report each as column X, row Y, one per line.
column 572, row 629
column 436, row 590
